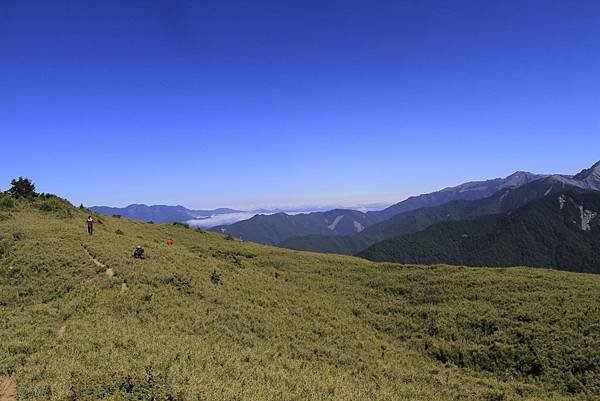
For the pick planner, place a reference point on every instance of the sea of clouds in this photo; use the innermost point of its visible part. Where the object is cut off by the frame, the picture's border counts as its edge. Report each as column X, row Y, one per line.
column 221, row 219
column 230, row 218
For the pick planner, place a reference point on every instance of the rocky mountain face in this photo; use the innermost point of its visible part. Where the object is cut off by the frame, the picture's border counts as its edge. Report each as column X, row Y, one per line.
column 590, row 177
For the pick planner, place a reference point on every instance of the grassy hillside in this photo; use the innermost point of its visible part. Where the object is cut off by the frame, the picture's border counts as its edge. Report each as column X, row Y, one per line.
column 217, row 319
column 561, row 231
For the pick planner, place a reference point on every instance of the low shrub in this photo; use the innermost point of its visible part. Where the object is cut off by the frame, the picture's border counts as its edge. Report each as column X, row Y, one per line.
column 215, row 277
column 18, row 236
column 180, row 282
column 6, row 202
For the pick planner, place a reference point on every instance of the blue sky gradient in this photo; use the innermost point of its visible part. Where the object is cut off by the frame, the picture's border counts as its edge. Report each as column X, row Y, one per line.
column 270, row 103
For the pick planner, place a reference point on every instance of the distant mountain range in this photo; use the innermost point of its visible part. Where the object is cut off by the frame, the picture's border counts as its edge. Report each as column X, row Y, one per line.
column 468, row 191
column 561, row 230
column 160, row 213
column 504, row 199
column 205, row 218
column 279, row 228
column 477, row 208
column 274, row 228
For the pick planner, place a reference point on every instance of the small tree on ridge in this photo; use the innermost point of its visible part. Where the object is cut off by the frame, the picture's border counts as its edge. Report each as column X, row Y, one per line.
column 22, row 188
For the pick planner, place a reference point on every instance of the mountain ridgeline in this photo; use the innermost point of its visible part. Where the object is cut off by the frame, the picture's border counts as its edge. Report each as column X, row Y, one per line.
column 561, row 230
column 276, row 229
column 505, row 199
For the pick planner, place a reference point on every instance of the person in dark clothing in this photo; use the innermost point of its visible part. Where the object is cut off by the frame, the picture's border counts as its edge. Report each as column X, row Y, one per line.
column 138, row 253
column 90, row 225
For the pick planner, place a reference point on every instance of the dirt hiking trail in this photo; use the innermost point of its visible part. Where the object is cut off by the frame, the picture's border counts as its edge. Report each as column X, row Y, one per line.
column 8, row 388
column 109, row 271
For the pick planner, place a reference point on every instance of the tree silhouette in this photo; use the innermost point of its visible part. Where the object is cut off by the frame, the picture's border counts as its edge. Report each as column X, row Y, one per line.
column 22, row 188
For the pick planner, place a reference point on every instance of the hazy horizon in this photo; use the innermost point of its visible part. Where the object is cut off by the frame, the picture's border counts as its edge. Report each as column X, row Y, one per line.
column 306, row 205
column 362, row 204
column 314, row 204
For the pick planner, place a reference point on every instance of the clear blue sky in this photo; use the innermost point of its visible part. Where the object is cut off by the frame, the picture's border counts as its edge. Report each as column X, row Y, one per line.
column 278, row 102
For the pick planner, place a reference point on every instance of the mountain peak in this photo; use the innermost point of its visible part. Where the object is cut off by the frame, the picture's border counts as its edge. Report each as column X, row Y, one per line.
column 519, row 178
column 593, row 171
column 520, row 173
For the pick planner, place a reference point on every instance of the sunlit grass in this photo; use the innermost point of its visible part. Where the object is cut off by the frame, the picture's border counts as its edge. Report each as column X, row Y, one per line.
column 276, row 324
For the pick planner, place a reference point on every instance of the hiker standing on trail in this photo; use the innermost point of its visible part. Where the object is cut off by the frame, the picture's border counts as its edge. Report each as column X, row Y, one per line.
column 90, row 225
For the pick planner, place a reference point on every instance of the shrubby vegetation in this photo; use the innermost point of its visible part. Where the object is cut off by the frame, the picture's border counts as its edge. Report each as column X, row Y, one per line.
column 487, row 325
column 22, row 194
column 55, row 205
column 288, row 325
column 6, row 202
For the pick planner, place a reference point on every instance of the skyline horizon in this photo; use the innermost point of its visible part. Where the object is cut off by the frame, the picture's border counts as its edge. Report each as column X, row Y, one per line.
column 258, row 207
column 322, row 204
column 233, row 103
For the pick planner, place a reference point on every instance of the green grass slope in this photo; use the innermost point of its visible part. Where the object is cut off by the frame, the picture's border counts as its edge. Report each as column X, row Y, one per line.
column 217, row 319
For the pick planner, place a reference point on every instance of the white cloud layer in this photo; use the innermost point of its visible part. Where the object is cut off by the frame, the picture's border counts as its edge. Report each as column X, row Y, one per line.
column 220, row 219
column 230, row 218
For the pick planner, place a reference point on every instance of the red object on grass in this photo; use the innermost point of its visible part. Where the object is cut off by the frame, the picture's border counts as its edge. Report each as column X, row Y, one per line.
column 169, row 242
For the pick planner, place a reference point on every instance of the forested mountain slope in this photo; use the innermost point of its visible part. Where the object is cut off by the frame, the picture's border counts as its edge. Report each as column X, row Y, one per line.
column 561, row 231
